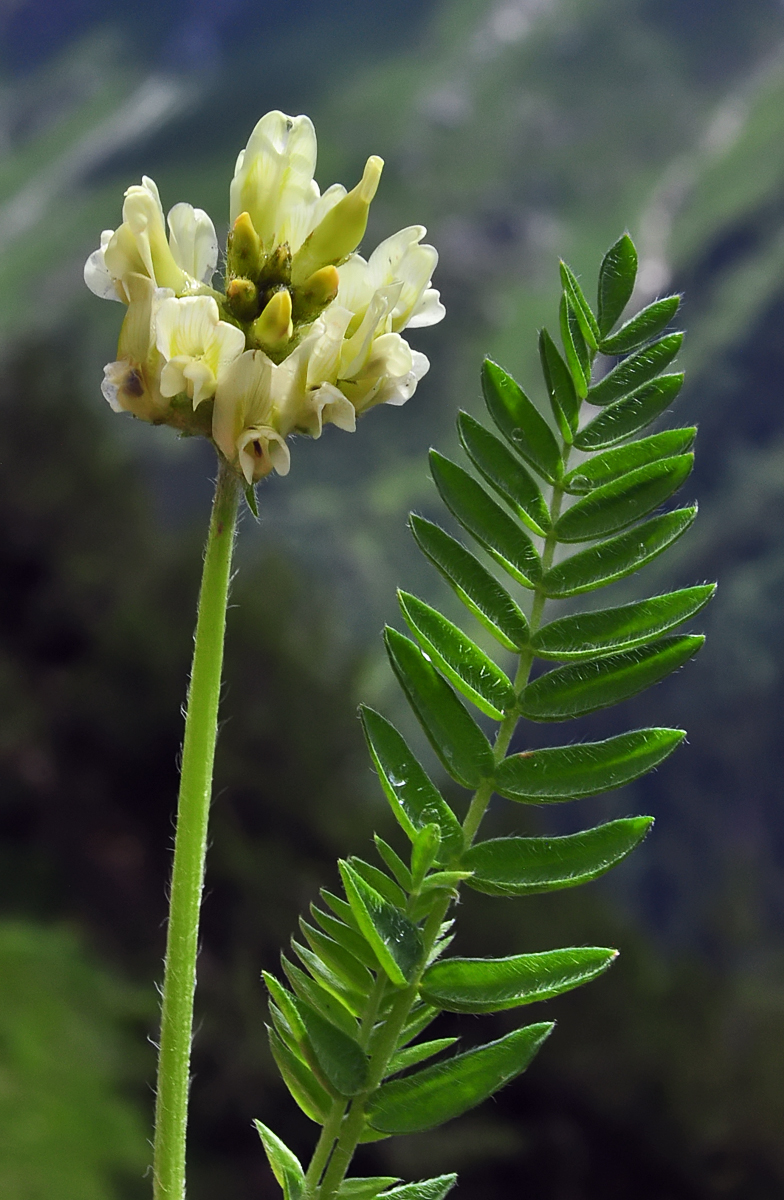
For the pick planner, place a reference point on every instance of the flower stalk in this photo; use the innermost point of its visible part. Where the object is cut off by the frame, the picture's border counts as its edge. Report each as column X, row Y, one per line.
column 201, row 726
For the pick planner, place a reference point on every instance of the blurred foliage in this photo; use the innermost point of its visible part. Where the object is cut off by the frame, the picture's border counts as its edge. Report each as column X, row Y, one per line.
column 66, row 1128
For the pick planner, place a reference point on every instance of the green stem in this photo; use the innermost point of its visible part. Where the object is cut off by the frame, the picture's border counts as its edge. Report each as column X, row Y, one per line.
column 201, row 726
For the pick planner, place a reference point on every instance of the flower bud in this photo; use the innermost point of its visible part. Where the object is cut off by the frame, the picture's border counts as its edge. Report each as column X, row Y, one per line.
column 273, row 329
column 243, row 251
column 342, row 229
column 242, row 299
column 318, row 290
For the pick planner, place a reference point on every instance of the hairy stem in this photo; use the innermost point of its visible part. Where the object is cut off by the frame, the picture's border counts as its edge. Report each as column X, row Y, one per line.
column 201, row 724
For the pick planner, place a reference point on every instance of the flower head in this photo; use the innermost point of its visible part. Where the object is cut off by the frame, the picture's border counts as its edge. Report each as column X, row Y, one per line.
column 304, row 333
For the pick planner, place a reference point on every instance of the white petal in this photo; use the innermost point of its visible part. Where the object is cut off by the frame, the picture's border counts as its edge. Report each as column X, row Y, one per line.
column 357, row 348
column 98, row 279
column 201, row 380
column 184, row 325
column 243, row 399
column 276, row 173
column 193, row 241
column 385, row 260
column 260, row 450
column 429, row 310
column 355, row 290
column 113, row 374
column 173, row 376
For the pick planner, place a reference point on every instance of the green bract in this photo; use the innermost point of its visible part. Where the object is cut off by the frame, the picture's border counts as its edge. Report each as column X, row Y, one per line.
column 551, row 510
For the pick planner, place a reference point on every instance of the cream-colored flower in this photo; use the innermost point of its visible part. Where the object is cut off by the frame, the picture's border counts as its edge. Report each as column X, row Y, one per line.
column 273, row 183
column 311, row 330
column 399, row 259
column 196, row 345
column 132, row 383
column 243, row 419
column 184, row 263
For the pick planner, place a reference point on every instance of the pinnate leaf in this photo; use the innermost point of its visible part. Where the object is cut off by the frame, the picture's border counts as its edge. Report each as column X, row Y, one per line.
column 619, row 556
column 559, row 773
column 480, row 591
column 519, row 866
column 520, row 421
column 584, row 687
column 448, row 1089
column 484, row 985
column 456, row 738
column 604, row 631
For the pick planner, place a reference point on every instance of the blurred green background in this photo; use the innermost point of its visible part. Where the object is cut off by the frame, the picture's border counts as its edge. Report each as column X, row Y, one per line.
column 517, row 131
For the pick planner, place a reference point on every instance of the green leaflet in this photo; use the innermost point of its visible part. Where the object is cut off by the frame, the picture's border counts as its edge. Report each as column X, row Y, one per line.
column 396, row 941
column 477, row 588
column 379, row 880
column 525, row 866
column 341, row 908
column 454, row 735
column 619, row 556
column 346, row 936
column 520, row 421
column 603, row 468
column 340, row 960
column 486, row 521
column 564, row 399
column 616, row 282
column 421, row 1017
column 365, row 1189
column 626, row 417
column 424, row 852
column 415, row 800
column 285, row 1165
column 587, row 635
column 331, row 981
column 305, row 1089
column 325, row 1000
column 466, row 666
column 623, row 501
column 584, row 687
column 448, row 1089
column 484, row 985
column 340, row 1058
column 559, row 773
column 504, row 472
column 646, row 324
column 577, row 354
column 395, row 863
column 582, row 309
column 417, row 1054
column 636, row 370
column 427, row 1189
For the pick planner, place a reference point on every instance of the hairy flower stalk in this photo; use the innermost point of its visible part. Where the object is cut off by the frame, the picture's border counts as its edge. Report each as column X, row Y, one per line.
column 303, row 332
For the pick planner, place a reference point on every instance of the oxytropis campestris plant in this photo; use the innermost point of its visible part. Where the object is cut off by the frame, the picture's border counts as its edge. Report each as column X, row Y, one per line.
column 305, row 332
